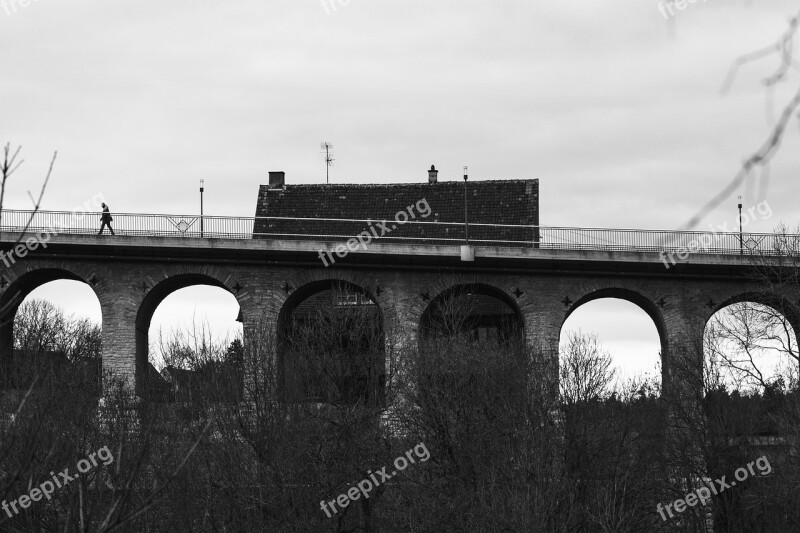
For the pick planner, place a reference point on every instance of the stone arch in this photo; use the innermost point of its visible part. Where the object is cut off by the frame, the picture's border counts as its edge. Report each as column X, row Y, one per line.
column 471, row 339
column 476, row 287
column 777, row 302
column 522, row 302
column 376, row 288
column 646, row 304
column 18, row 283
column 310, row 287
column 168, row 284
column 297, row 282
column 629, row 295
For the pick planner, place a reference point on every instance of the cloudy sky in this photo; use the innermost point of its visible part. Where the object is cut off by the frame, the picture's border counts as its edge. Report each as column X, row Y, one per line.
column 616, row 110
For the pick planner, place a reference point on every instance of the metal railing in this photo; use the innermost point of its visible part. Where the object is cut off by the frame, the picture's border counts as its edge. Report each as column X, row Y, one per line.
column 419, row 232
column 127, row 224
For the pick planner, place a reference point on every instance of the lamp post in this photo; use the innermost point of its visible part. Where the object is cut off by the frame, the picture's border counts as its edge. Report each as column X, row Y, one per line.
column 466, row 224
column 741, row 236
column 201, row 207
column 467, row 253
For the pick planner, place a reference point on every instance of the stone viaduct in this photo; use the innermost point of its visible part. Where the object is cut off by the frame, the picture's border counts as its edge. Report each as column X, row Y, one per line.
column 131, row 275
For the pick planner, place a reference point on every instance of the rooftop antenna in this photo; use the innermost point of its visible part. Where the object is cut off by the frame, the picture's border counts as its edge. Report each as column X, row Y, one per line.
column 328, row 149
column 667, row 10
column 672, row 25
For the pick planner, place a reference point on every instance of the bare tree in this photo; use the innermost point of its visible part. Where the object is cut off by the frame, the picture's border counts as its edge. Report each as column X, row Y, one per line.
column 9, row 165
column 586, row 371
column 783, row 49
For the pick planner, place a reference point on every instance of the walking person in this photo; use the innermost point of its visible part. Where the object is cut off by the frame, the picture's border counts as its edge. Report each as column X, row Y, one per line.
column 105, row 220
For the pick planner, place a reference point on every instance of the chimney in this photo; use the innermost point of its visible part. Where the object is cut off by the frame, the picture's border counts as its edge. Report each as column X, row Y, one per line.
column 277, row 180
column 432, row 174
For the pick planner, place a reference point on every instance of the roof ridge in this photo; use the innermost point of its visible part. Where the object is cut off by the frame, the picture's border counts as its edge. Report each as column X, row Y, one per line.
column 407, row 184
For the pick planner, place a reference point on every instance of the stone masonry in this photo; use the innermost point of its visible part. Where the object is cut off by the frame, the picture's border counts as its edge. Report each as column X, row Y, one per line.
column 130, row 276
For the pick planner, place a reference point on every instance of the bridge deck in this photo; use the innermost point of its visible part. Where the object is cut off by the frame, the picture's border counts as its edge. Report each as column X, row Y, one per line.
column 395, row 232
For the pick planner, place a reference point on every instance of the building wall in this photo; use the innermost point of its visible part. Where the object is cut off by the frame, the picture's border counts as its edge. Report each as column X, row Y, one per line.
column 499, row 202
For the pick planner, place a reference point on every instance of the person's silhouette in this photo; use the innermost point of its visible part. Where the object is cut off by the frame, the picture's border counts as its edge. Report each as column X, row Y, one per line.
column 105, row 220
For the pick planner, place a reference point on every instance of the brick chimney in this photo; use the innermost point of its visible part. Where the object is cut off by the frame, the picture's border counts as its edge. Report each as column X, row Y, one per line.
column 433, row 174
column 277, row 180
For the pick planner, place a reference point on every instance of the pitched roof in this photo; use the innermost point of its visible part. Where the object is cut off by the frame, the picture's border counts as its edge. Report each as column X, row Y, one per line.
column 512, row 202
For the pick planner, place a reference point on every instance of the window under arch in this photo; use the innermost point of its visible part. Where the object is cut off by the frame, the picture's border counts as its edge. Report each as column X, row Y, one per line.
column 477, row 313
column 331, row 345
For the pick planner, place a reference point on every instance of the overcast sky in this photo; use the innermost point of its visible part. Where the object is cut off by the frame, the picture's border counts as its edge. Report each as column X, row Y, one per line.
column 624, row 124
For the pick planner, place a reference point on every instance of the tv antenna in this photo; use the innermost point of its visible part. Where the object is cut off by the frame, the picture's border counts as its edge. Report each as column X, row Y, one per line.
column 328, row 149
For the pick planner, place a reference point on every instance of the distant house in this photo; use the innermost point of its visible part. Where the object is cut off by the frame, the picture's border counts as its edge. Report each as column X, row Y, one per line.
column 215, row 381
column 156, row 388
column 183, row 384
column 506, row 202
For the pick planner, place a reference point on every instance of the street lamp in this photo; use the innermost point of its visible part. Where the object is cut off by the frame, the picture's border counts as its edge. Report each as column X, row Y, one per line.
column 467, row 253
column 741, row 236
column 466, row 225
column 201, row 207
